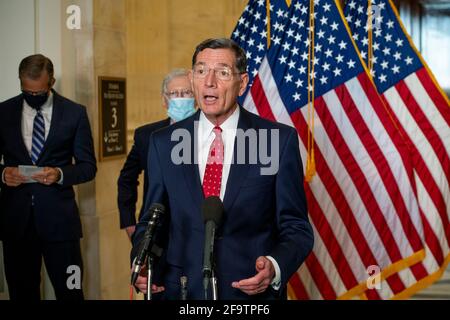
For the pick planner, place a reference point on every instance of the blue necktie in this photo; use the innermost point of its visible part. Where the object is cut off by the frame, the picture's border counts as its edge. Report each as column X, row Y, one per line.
column 37, row 143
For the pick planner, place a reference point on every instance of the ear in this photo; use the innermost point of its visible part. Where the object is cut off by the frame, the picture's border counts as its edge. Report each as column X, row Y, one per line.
column 191, row 78
column 243, row 84
column 164, row 101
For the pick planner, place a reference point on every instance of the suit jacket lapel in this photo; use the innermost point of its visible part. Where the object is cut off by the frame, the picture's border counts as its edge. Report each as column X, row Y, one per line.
column 238, row 172
column 17, row 127
column 191, row 173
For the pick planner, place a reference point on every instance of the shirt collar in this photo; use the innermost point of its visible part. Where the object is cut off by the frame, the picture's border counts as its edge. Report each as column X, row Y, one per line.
column 229, row 124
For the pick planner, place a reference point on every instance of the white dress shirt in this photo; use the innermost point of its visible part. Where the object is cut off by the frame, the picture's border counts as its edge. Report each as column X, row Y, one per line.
column 204, row 139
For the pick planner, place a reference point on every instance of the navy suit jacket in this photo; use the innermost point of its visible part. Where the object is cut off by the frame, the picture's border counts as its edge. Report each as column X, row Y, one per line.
column 128, row 179
column 69, row 146
column 264, row 214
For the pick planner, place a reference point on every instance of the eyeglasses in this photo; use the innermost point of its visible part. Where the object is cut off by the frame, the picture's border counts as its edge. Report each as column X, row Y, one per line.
column 222, row 73
column 186, row 93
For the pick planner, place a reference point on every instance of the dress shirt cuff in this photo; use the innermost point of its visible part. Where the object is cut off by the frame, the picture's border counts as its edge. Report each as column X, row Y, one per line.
column 276, row 282
column 61, row 176
column 3, row 176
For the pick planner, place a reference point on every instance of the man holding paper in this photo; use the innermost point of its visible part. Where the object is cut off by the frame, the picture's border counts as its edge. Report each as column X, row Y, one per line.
column 46, row 147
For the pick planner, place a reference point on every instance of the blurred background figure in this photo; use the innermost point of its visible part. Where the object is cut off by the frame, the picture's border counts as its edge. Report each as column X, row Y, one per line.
column 177, row 97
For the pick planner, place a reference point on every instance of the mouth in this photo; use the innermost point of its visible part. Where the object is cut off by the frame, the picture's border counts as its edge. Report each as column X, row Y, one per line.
column 210, row 99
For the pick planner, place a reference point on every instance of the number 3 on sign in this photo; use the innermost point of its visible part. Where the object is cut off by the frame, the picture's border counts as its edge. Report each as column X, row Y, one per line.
column 114, row 117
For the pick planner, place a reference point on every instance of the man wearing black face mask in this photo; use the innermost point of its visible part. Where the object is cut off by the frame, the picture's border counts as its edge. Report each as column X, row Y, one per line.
column 38, row 213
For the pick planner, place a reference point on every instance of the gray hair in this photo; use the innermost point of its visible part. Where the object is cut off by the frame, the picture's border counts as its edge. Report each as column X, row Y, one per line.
column 172, row 74
column 223, row 43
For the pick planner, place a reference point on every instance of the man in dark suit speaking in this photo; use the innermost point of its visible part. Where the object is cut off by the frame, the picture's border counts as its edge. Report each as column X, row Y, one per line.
column 265, row 234
column 46, row 147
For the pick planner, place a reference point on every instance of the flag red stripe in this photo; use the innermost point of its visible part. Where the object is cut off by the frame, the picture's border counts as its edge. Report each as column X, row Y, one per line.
column 433, row 191
column 434, row 94
column 355, row 172
column 338, row 198
column 430, row 185
column 298, row 287
column 372, row 294
column 383, row 167
column 264, row 110
column 340, row 203
column 330, row 241
column 419, row 271
column 395, row 283
column 383, row 113
column 343, row 208
column 388, row 179
column 359, row 180
column 260, row 99
column 320, row 277
column 437, row 145
column 432, row 241
column 422, row 121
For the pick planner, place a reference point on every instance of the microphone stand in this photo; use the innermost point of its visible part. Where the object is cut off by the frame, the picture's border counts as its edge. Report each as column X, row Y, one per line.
column 183, row 293
column 212, row 279
column 215, row 290
column 149, row 276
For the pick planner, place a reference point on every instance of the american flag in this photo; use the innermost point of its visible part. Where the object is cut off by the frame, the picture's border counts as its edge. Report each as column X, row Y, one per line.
column 421, row 111
column 252, row 30
column 362, row 201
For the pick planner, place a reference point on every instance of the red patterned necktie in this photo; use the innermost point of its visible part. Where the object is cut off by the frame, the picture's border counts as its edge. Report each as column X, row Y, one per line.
column 213, row 172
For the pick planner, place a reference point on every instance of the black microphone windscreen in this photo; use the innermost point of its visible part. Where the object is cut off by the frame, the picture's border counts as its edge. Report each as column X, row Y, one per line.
column 212, row 209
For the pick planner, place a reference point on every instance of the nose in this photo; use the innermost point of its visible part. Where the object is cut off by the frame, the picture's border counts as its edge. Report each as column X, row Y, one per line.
column 211, row 80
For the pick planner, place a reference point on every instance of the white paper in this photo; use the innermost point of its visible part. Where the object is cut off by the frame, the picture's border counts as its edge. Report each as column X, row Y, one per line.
column 28, row 171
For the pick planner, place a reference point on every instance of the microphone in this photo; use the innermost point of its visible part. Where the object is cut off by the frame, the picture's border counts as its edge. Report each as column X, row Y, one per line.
column 212, row 210
column 156, row 210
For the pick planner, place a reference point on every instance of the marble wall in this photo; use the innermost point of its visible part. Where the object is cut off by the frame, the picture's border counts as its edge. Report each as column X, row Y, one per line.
column 98, row 49
column 162, row 35
column 110, row 59
column 78, row 83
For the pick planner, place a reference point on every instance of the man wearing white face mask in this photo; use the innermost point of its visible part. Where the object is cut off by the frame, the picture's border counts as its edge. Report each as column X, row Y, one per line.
column 178, row 99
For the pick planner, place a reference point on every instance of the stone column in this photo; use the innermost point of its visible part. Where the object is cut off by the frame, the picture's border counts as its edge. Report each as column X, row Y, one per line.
column 98, row 49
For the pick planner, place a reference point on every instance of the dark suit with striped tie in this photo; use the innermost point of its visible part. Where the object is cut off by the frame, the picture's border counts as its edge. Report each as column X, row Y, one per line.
column 37, row 220
column 38, row 138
